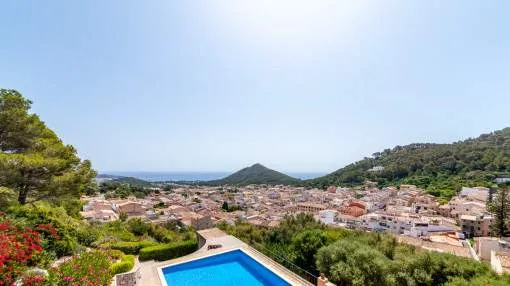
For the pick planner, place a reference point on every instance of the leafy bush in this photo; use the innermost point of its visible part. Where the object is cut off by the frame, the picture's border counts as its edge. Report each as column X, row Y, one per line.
column 88, row 269
column 305, row 245
column 168, row 251
column 18, row 249
column 484, row 280
column 126, row 264
column 138, row 227
column 371, row 259
column 349, row 261
column 117, row 230
column 66, row 246
column 72, row 206
column 157, row 232
column 70, row 231
column 7, row 197
column 132, row 247
column 85, row 236
column 115, row 254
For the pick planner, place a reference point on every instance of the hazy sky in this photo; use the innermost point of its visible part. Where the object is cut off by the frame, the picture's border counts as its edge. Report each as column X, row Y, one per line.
column 295, row 85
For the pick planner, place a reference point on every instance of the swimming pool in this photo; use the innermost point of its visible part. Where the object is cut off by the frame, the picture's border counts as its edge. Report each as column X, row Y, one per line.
column 228, row 268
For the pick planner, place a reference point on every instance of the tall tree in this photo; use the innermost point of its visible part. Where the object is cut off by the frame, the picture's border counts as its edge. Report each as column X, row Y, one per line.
column 34, row 162
column 305, row 245
column 500, row 208
column 224, row 206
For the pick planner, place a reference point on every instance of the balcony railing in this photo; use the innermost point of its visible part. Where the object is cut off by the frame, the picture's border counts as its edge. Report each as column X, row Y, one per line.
column 299, row 273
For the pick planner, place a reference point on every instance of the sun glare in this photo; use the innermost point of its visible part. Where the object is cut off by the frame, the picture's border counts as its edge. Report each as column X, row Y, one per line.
column 273, row 23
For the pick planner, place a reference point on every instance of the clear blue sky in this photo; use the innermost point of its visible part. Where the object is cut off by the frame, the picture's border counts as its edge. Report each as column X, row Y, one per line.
column 218, row 85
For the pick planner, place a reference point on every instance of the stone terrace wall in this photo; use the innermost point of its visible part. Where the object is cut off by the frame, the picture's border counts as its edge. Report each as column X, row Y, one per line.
column 128, row 279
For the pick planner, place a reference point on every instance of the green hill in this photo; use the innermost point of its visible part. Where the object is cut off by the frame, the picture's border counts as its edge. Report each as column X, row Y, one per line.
column 133, row 181
column 440, row 168
column 256, row 174
column 113, row 179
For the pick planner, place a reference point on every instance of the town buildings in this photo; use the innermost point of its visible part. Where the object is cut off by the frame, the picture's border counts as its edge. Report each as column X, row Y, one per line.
column 407, row 212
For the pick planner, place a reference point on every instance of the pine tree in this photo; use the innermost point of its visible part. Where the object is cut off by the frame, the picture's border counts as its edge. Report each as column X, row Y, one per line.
column 34, row 162
column 500, row 208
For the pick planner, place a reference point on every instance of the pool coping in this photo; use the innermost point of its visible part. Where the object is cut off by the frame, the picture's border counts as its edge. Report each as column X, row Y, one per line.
column 268, row 267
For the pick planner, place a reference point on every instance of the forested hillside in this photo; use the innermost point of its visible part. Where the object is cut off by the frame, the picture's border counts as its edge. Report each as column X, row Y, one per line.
column 441, row 168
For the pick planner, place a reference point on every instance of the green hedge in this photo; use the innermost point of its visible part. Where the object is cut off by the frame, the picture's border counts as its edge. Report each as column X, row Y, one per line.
column 168, row 251
column 126, row 263
column 132, row 247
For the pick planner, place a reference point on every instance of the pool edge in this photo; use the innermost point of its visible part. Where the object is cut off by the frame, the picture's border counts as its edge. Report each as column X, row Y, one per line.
column 268, row 267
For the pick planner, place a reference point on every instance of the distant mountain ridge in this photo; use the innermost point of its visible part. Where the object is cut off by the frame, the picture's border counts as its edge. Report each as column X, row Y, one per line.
column 107, row 176
column 255, row 174
column 440, row 168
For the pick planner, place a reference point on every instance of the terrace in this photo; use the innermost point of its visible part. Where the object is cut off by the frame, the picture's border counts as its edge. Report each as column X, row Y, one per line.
column 214, row 242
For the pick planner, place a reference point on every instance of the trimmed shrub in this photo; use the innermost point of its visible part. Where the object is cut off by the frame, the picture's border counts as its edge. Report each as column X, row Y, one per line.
column 147, row 243
column 126, row 263
column 168, row 251
column 132, row 247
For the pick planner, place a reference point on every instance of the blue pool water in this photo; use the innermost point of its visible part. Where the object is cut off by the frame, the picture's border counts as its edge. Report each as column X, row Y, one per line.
column 230, row 268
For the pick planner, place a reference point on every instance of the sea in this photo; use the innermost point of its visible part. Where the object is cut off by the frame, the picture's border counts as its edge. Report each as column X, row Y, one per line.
column 194, row 176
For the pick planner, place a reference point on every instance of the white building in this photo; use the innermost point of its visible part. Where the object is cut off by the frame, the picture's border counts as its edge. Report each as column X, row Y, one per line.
column 328, row 216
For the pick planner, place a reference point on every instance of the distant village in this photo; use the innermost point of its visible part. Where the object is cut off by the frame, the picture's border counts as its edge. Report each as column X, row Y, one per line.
column 461, row 227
